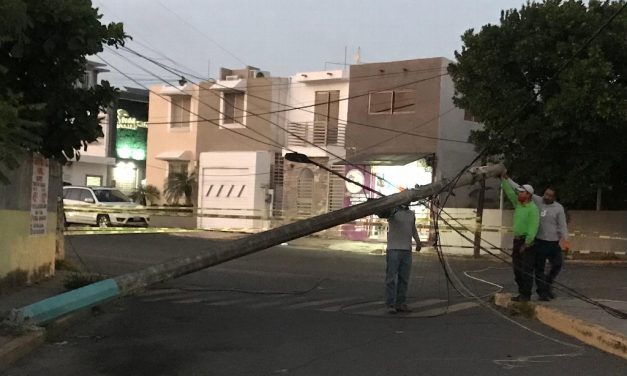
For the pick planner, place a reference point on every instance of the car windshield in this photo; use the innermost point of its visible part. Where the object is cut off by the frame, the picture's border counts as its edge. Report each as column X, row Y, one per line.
column 110, row 195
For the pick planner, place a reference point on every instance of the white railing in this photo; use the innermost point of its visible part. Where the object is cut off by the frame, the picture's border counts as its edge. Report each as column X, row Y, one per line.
column 319, row 133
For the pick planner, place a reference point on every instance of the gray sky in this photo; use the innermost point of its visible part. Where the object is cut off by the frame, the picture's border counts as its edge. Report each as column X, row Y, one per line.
column 288, row 36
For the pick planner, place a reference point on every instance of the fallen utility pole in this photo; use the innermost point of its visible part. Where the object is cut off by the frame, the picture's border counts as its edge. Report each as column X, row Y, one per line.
column 50, row 309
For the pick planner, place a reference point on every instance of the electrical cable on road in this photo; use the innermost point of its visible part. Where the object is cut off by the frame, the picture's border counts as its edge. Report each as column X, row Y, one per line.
column 533, row 99
column 437, row 246
column 440, row 252
column 560, row 286
column 80, row 259
column 574, row 293
column 196, row 288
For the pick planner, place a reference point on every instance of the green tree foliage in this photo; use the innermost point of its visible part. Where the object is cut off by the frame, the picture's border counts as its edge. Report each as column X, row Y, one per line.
column 573, row 134
column 145, row 195
column 179, row 185
column 43, row 49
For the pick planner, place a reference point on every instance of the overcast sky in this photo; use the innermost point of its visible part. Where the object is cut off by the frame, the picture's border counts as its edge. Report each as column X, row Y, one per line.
column 289, row 36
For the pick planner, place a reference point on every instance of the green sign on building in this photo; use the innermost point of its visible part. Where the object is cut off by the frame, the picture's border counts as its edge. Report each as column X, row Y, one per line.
column 131, row 137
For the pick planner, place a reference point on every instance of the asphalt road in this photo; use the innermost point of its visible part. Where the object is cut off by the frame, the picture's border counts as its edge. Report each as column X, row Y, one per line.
column 289, row 311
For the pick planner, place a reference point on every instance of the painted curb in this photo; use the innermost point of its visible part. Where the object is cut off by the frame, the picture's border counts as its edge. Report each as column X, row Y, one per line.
column 590, row 334
column 63, row 304
column 20, row 346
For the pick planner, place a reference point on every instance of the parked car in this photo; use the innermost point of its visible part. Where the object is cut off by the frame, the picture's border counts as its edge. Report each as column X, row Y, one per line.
column 102, row 207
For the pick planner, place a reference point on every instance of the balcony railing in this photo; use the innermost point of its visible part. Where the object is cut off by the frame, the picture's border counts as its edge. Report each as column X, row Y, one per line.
column 319, row 133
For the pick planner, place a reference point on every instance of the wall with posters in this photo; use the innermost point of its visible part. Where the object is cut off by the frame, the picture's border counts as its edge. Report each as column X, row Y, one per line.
column 28, row 222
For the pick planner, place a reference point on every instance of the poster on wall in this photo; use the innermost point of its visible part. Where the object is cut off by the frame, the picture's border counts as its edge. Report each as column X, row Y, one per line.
column 39, row 196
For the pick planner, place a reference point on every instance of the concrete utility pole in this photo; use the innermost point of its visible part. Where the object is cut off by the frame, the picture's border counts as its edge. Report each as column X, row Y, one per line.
column 55, row 307
column 479, row 218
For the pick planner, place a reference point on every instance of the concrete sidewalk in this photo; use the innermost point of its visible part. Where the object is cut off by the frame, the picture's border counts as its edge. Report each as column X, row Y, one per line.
column 584, row 321
column 30, row 294
column 15, row 344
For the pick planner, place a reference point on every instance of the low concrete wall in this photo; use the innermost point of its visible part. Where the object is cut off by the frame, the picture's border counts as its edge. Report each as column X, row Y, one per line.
column 598, row 231
column 590, row 231
column 454, row 243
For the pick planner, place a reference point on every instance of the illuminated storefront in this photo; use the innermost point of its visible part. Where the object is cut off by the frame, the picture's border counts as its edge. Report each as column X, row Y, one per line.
column 392, row 179
column 387, row 180
column 131, row 126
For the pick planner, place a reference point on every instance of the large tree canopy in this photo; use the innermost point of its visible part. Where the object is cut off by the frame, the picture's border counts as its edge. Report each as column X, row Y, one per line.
column 43, row 49
column 572, row 133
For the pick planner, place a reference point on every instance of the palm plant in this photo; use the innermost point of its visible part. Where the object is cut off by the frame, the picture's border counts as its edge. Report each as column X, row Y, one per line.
column 180, row 184
column 146, row 194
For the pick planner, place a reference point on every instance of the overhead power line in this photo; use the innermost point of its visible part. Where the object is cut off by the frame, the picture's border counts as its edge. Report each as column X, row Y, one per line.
column 201, row 32
column 266, row 120
column 287, row 107
column 164, row 97
column 295, row 108
column 285, row 130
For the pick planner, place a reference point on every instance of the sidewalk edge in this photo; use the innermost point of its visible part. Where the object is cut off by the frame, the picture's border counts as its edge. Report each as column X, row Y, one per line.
column 590, row 334
column 21, row 346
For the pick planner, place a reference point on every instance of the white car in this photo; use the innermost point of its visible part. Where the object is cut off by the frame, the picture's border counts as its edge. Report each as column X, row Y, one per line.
column 103, row 207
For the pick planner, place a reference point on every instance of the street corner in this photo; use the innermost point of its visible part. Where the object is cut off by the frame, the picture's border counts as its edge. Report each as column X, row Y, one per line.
column 612, row 341
column 504, row 301
column 14, row 344
column 18, row 339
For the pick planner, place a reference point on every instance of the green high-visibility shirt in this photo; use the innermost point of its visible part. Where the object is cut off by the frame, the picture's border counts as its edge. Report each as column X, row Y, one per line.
column 526, row 216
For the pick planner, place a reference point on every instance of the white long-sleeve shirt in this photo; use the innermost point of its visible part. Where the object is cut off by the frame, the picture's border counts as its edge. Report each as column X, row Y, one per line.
column 401, row 229
column 553, row 225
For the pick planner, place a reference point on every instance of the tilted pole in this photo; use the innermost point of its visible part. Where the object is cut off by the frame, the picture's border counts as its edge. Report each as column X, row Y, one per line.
column 55, row 307
column 479, row 217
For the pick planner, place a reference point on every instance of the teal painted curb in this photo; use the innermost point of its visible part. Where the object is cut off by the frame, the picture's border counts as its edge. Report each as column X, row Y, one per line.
column 55, row 307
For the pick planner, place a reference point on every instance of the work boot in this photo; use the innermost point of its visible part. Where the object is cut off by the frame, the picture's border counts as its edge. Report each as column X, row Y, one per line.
column 403, row 308
column 520, row 298
column 544, row 298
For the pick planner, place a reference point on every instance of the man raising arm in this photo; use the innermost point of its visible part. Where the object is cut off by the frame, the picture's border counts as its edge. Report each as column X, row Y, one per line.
column 526, row 223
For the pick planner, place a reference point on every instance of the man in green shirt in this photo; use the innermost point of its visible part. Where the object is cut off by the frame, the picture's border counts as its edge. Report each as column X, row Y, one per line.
column 526, row 224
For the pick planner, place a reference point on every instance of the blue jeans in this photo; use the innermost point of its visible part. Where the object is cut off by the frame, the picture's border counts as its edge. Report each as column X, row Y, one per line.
column 397, row 276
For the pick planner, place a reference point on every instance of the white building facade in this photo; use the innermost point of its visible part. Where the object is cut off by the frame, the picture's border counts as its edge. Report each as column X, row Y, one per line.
column 234, row 190
column 95, row 165
column 318, row 131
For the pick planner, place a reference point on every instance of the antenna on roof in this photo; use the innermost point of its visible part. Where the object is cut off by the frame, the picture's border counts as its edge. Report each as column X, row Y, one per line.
column 357, row 56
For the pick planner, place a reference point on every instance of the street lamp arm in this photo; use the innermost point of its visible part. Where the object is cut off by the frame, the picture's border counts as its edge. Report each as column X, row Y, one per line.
column 302, row 158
